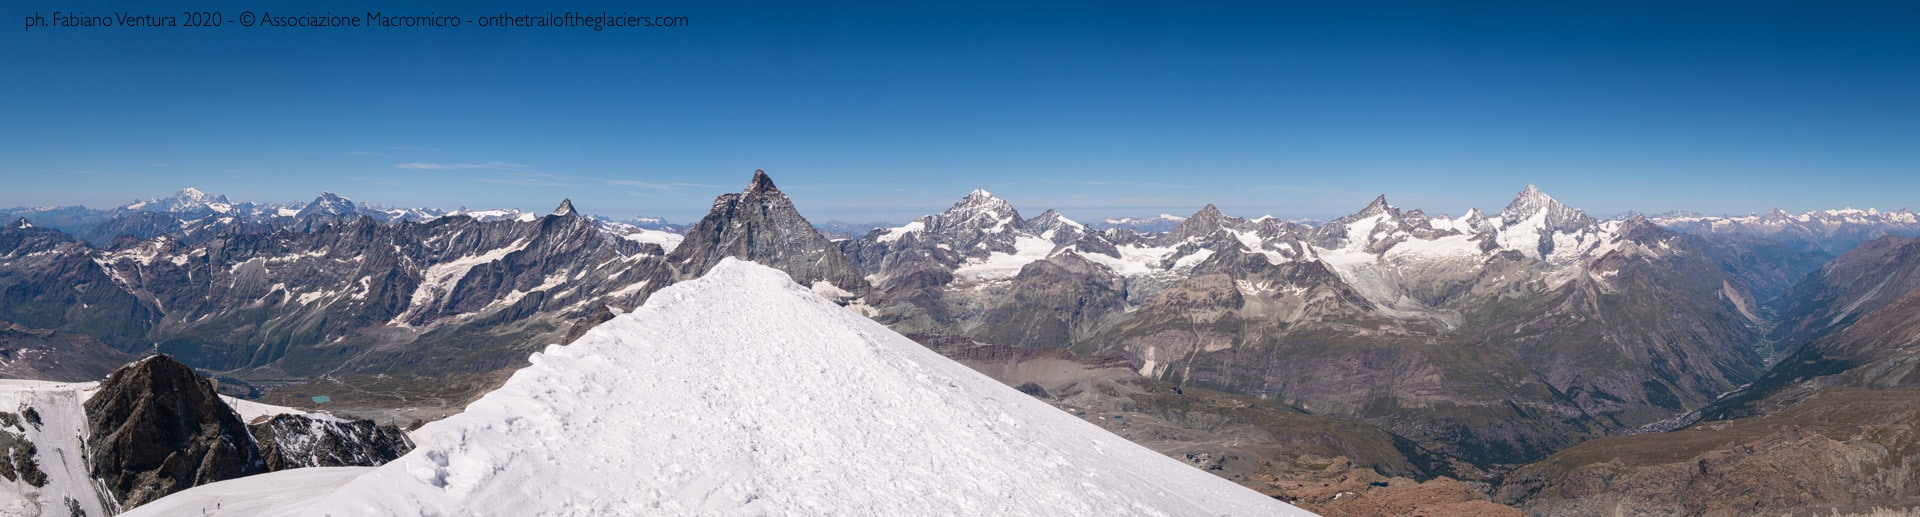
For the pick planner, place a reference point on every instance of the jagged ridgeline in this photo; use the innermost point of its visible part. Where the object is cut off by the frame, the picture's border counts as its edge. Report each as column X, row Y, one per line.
column 395, row 307
column 1498, row 338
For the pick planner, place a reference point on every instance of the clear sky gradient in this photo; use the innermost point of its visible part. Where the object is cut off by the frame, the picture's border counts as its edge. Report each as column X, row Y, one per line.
column 883, row 111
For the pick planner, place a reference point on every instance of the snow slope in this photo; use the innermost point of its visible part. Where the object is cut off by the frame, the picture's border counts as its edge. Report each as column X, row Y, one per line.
column 58, row 449
column 744, row 393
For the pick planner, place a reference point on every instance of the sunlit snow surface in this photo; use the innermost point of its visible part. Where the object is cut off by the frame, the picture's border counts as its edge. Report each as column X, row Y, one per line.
column 744, row 393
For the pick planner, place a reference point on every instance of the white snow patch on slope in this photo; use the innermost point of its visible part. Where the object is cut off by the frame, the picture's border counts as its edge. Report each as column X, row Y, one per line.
column 1133, row 261
column 58, row 448
column 259, row 494
column 666, row 240
column 894, row 234
column 1448, row 247
column 249, row 410
column 441, row 278
column 744, row 393
column 1001, row 266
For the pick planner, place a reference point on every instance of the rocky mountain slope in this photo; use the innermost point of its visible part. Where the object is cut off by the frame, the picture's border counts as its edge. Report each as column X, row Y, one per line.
column 772, row 409
column 1327, row 465
column 1828, row 427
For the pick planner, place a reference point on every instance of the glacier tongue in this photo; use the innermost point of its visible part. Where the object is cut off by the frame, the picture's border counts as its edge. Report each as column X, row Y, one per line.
column 742, row 392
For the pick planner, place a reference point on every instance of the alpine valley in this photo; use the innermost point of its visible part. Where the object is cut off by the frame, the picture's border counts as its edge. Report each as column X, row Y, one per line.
column 1531, row 360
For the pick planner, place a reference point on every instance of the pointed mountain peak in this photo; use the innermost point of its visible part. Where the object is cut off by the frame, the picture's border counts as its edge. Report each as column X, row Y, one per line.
column 328, row 204
column 981, row 200
column 1377, row 207
column 565, row 209
column 1379, row 203
column 1532, row 203
column 980, row 203
column 20, row 224
column 1052, row 214
column 761, row 183
column 761, row 225
column 1206, row 221
column 1528, row 202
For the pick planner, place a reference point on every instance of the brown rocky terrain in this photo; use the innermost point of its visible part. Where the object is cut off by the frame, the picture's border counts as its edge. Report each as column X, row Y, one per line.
column 1830, row 428
column 1330, row 466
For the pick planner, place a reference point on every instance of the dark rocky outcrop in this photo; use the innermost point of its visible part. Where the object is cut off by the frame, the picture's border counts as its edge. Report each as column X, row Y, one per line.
column 295, row 441
column 156, row 428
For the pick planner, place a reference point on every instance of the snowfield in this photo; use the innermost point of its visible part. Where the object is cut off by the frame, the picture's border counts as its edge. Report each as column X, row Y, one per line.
column 744, row 393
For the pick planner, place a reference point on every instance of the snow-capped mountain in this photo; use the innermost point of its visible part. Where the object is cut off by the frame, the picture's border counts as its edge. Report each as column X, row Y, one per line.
column 1259, row 306
column 186, row 200
column 1155, row 224
column 193, row 215
column 672, row 410
column 1830, row 231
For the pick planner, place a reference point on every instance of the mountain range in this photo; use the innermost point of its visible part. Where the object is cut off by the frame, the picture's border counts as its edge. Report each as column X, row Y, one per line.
column 1464, row 354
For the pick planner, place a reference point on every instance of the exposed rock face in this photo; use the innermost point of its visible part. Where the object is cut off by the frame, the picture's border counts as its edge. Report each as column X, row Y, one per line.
column 294, row 441
column 760, row 224
column 158, row 428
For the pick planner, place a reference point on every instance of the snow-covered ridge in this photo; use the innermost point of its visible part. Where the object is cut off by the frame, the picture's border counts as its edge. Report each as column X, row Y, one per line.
column 735, row 393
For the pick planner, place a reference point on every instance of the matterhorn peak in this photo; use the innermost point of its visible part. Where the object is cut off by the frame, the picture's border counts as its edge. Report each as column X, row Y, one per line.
column 20, row 224
column 761, row 183
column 565, row 209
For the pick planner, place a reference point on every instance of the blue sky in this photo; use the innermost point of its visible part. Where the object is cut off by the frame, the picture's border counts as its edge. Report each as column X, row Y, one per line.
column 883, row 111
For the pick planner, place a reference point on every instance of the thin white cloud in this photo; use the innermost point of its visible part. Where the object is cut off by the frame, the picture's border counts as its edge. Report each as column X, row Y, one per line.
column 498, row 166
column 656, row 186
